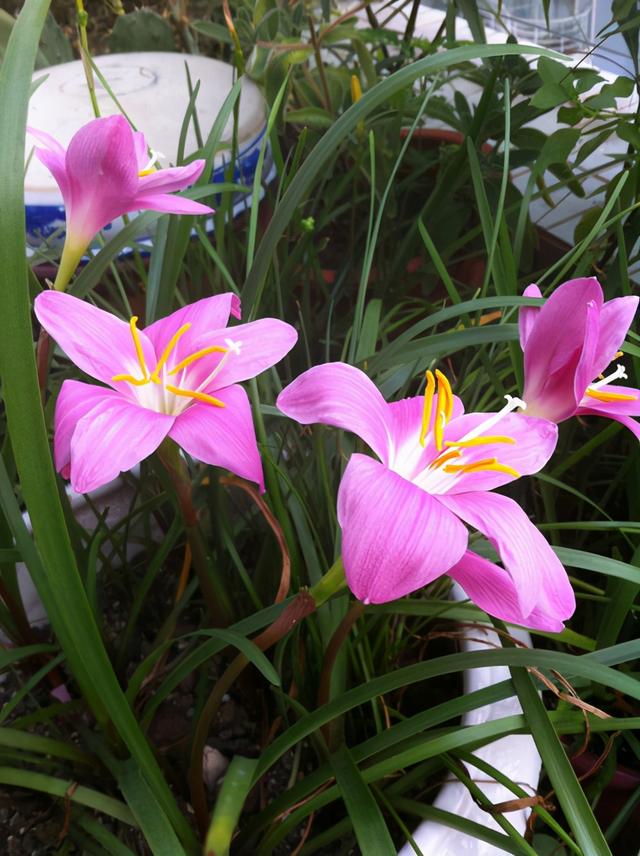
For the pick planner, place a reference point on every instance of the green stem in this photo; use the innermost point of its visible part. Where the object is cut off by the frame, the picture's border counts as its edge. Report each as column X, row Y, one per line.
column 304, row 604
column 215, row 595
column 71, row 256
column 82, row 19
column 331, row 583
column 236, row 786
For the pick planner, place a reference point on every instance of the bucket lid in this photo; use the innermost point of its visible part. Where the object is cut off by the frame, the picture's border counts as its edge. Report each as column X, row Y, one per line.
column 153, row 89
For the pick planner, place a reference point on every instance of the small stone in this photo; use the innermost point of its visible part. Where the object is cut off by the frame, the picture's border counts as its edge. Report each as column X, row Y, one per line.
column 214, row 765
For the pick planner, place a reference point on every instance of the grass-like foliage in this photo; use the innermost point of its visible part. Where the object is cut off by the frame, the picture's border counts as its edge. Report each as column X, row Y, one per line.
column 188, row 615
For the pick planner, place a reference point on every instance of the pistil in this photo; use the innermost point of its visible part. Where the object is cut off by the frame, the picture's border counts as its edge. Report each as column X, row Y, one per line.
column 594, row 390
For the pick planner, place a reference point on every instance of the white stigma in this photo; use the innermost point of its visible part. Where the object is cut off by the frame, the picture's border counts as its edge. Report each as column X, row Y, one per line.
column 619, row 374
column 234, row 347
column 153, row 160
column 512, row 403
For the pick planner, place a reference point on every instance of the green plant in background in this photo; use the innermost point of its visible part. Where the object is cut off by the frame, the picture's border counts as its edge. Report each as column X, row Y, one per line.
column 397, row 254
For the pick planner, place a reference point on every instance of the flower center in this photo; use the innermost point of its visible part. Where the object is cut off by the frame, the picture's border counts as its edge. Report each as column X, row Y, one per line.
column 594, row 389
column 161, row 376
column 451, row 453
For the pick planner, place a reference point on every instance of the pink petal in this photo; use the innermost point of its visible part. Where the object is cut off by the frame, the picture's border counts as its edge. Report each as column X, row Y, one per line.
column 627, row 421
column 535, row 443
column 407, row 456
column 492, row 589
column 526, row 555
column 222, row 436
column 559, row 349
column 173, row 178
column 96, row 341
column 621, row 411
column 166, row 202
column 584, row 368
column 341, row 395
column 615, row 319
column 255, row 347
column 111, row 438
column 528, row 314
column 47, row 140
column 75, row 400
column 204, row 316
column 102, row 173
column 53, row 157
column 395, row 537
column 141, row 148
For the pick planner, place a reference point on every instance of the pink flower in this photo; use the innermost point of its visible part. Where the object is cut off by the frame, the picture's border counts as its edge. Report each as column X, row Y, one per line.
column 177, row 378
column 403, row 516
column 567, row 344
column 106, row 172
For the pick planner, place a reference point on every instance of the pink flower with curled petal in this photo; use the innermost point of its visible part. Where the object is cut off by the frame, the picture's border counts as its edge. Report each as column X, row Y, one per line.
column 104, row 173
column 403, row 516
column 177, row 378
column 568, row 343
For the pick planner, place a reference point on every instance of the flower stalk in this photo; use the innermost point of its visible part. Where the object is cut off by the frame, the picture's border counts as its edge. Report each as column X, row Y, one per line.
column 214, row 593
column 304, row 604
column 82, row 18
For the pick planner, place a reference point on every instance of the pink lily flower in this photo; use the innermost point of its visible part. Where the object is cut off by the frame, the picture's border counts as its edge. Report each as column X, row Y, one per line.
column 177, row 378
column 403, row 516
column 568, row 343
column 104, row 173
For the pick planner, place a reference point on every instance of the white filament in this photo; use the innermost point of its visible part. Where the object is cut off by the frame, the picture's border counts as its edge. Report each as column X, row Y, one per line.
column 619, row 374
column 512, row 404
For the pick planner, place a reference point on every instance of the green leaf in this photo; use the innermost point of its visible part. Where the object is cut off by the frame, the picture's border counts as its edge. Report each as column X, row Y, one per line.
column 159, row 834
column 13, row 655
column 69, row 789
column 551, row 71
column 368, row 824
column 142, row 30
column 601, row 564
column 212, row 31
column 568, row 789
column 235, row 788
column 52, row 566
column 313, row 117
column 586, row 223
column 326, row 148
column 557, row 148
column 582, row 666
column 548, row 96
column 54, row 45
column 628, row 132
column 16, row 739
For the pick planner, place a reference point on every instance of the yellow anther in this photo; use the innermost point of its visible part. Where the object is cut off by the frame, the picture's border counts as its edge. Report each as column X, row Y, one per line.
column 443, row 381
column 149, row 171
column 442, row 459
column 480, row 441
column 470, row 467
column 130, row 379
column 619, row 354
column 485, row 465
column 213, row 349
column 173, row 341
column 610, row 396
column 356, row 88
column 138, row 346
column 428, row 403
column 198, row 396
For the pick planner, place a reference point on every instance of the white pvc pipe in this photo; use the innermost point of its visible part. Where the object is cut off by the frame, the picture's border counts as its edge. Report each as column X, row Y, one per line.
column 516, row 756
